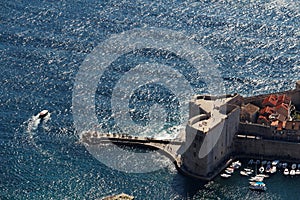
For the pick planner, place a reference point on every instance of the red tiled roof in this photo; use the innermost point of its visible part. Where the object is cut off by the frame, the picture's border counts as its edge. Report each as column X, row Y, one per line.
column 270, row 100
column 283, row 109
column 283, row 99
column 262, row 119
column 266, row 111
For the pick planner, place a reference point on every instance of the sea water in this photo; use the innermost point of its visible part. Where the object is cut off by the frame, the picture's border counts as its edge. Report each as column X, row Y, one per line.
column 43, row 45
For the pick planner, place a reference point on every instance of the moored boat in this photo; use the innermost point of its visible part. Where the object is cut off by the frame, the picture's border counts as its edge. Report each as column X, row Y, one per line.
column 256, row 178
column 259, row 186
column 275, row 162
column 286, row 171
column 224, row 175
column 236, row 165
column 292, row 172
column 250, row 162
column 261, row 169
column 284, row 165
column 229, row 170
column 244, row 173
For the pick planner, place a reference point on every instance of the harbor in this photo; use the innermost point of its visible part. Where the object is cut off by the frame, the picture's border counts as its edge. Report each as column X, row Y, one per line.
column 258, row 173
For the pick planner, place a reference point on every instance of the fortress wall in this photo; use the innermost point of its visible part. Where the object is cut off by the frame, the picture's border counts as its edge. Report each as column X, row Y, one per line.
column 194, row 109
column 223, row 148
column 271, row 149
column 255, row 130
column 221, row 145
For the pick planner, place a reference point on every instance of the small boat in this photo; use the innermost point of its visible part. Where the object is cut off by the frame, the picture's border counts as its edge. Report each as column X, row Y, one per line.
column 257, row 182
column 263, row 175
column 273, row 169
column 261, row 169
column 294, row 166
column 43, row 114
column 263, row 162
column 292, row 172
column 259, row 186
column 286, row 171
column 298, row 166
column 229, row 170
column 236, row 164
column 284, row 165
column 268, row 168
column 250, row 162
column 225, row 175
column 244, row 173
column 248, row 170
column 275, row 162
column 297, row 172
column 256, row 178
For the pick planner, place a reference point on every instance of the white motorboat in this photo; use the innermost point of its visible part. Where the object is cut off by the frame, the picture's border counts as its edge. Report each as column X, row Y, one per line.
column 256, row 178
column 225, row 175
column 275, row 162
column 244, row 173
column 43, row 114
column 263, row 175
column 229, row 170
column 286, row 171
column 292, row 172
column 297, row 172
column 294, row 166
column 260, row 186
column 237, row 164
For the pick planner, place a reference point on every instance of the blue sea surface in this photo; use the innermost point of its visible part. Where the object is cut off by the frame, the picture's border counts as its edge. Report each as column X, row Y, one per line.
column 43, row 45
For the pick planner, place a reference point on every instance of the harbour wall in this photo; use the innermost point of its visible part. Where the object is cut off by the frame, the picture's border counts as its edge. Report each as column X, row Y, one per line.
column 259, row 148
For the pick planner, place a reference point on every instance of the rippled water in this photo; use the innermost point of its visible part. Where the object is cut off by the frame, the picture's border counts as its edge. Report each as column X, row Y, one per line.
column 44, row 43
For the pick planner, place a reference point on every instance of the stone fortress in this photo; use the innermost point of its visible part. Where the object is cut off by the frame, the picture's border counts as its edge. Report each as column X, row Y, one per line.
column 231, row 126
column 222, row 128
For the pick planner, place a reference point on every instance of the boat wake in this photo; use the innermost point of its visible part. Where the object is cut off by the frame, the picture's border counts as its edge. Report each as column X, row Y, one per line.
column 31, row 126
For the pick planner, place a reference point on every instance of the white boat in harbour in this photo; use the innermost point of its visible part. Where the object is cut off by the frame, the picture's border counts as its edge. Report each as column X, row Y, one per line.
column 225, row 175
column 248, row 170
column 229, row 170
column 273, row 169
column 261, row 169
column 294, row 166
column 260, row 186
column 286, row 171
column 292, row 172
column 263, row 175
column 297, row 172
column 244, row 173
column 236, row 165
column 275, row 162
column 256, row 178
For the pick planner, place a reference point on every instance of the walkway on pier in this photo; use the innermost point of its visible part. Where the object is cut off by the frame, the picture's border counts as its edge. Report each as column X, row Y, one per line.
column 168, row 147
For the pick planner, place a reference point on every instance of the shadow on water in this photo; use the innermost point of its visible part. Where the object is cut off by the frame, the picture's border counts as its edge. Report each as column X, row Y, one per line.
column 187, row 187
